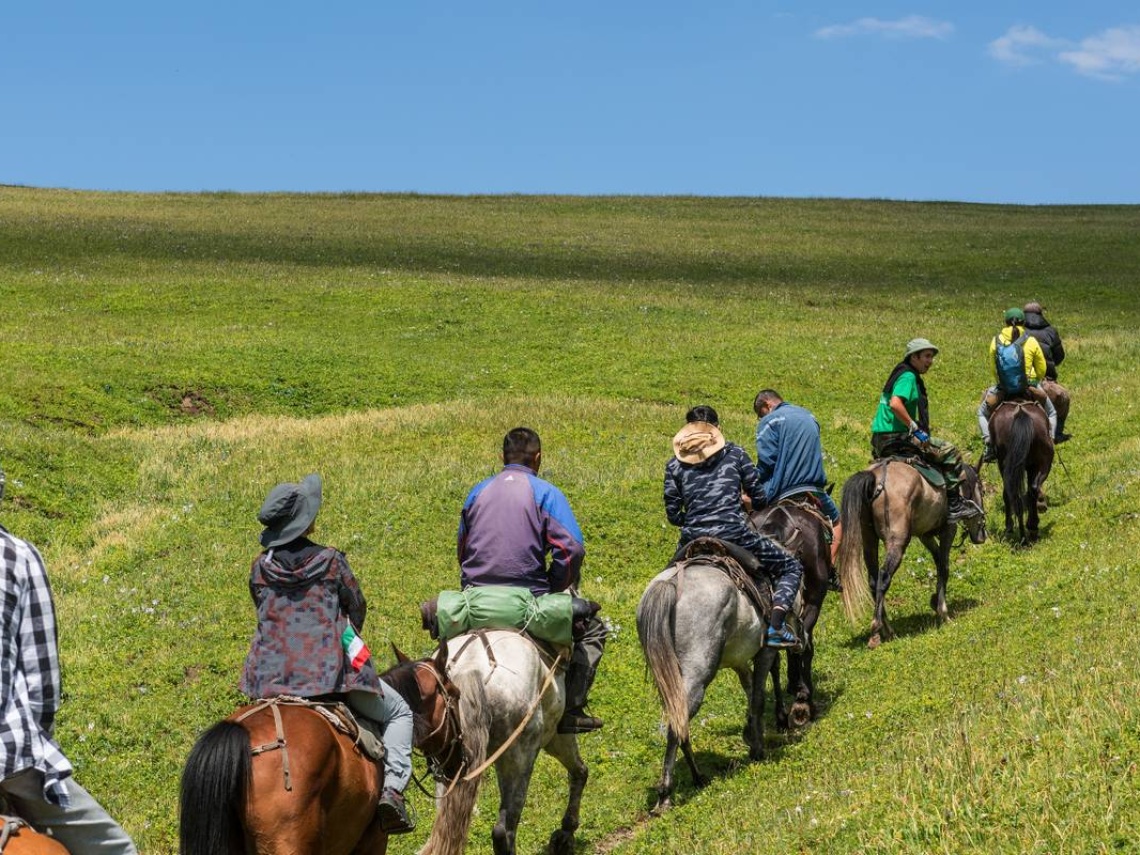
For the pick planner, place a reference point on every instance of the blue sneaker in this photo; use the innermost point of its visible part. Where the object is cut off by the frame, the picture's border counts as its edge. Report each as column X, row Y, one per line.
column 782, row 637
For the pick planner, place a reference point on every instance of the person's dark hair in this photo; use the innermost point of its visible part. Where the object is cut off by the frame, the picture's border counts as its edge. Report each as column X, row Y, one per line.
column 702, row 414
column 770, row 396
column 521, row 445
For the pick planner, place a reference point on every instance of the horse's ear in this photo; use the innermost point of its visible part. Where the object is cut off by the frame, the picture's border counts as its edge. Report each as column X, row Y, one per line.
column 441, row 658
column 400, row 655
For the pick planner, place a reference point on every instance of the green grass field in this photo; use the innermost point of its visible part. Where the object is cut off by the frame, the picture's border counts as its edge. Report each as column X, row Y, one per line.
column 168, row 358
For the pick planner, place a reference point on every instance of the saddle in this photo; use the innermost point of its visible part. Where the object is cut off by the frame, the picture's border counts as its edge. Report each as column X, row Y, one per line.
column 337, row 713
column 931, row 473
column 736, row 562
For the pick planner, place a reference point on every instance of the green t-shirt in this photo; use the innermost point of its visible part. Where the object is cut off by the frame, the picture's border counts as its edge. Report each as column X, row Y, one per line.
column 906, row 387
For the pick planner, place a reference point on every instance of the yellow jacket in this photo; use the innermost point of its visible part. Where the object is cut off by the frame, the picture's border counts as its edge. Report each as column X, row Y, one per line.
column 1034, row 355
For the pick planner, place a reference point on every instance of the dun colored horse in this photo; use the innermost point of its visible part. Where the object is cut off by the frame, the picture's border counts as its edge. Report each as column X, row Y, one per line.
column 512, row 695
column 800, row 529
column 694, row 620
column 891, row 501
column 19, row 838
column 284, row 781
column 1025, row 455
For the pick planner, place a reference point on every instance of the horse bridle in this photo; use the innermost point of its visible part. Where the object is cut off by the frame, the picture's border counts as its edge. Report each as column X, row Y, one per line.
column 450, row 720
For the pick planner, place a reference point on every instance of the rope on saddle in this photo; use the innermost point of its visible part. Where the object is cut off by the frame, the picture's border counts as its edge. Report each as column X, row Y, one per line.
column 761, row 599
column 551, row 673
column 12, row 825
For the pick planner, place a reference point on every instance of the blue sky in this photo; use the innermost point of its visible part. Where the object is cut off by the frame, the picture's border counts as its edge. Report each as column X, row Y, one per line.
column 976, row 101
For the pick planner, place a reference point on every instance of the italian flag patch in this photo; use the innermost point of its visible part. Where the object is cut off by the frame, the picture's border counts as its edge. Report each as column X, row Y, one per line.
column 355, row 647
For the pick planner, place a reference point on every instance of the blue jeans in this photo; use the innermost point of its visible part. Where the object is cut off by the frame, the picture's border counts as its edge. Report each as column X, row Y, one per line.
column 82, row 827
column 392, row 713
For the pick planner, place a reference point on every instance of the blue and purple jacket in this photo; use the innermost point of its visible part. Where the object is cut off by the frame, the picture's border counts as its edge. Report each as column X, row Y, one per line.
column 509, row 523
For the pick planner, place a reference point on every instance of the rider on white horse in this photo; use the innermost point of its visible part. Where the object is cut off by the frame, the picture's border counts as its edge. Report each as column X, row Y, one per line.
column 703, row 484
column 509, row 523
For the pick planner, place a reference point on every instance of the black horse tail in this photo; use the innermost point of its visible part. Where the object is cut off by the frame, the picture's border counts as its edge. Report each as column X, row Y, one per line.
column 855, row 517
column 655, row 616
column 1016, row 458
column 214, row 786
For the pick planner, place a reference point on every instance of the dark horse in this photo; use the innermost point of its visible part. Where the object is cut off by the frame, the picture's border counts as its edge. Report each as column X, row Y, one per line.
column 1025, row 456
column 799, row 527
column 285, row 780
column 891, row 501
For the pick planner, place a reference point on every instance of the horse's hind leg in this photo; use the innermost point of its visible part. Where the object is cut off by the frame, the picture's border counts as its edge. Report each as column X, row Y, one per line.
column 666, row 783
column 513, row 771
column 880, row 628
column 939, row 547
column 565, row 749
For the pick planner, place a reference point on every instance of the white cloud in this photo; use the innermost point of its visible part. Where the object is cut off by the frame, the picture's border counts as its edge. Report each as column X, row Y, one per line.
column 1020, row 45
column 910, row 27
column 1109, row 55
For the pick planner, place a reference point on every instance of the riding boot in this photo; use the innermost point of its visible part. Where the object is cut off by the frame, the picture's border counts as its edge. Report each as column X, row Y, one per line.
column 957, row 508
column 579, row 679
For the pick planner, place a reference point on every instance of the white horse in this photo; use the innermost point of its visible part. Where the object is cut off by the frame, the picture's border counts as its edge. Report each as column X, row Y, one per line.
column 512, row 696
column 692, row 621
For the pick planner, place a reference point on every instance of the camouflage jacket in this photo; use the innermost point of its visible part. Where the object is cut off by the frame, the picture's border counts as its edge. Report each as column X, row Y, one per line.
column 705, row 497
column 305, row 595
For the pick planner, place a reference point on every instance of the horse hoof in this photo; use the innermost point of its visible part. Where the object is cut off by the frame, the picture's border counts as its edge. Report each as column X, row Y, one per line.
column 874, row 641
column 561, row 842
column 755, row 754
column 700, row 782
column 782, row 723
column 661, row 806
column 801, row 714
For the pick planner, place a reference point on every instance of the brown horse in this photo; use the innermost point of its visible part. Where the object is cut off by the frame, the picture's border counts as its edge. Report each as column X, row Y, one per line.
column 1025, row 455
column 799, row 528
column 282, row 779
column 891, row 501
column 19, row 838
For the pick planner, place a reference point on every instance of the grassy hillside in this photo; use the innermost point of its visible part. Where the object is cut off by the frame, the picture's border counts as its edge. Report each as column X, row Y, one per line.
column 168, row 358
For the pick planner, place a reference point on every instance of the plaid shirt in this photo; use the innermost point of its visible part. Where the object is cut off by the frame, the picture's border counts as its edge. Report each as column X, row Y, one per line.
column 29, row 670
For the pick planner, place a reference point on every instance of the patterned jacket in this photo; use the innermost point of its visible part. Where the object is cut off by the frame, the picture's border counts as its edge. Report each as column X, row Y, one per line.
column 305, row 595
column 703, row 498
column 29, row 670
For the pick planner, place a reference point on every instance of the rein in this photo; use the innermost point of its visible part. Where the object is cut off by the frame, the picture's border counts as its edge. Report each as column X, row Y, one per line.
column 435, row 764
column 509, row 741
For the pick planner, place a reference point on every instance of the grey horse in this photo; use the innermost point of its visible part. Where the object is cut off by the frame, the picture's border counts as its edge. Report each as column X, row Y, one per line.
column 692, row 621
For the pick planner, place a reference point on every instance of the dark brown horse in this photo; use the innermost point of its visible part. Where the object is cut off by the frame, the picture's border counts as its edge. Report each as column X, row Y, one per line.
column 1024, row 448
column 283, row 779
column 799, row 528
column 19, row 838
column 891, row 501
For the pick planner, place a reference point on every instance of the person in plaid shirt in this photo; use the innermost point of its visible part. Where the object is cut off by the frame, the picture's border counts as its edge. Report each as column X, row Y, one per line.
column 35, row 776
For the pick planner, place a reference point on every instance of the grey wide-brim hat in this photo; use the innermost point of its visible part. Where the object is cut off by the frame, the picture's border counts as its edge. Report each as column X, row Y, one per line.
column 289, row 510
column 916, row 345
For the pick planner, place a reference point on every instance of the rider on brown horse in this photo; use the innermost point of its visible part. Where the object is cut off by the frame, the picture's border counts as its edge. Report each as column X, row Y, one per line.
column 309, row 608
column 789, row 458
column 902, row 425
column 1027, row 384
column 1054, row 350
column 704, row 481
